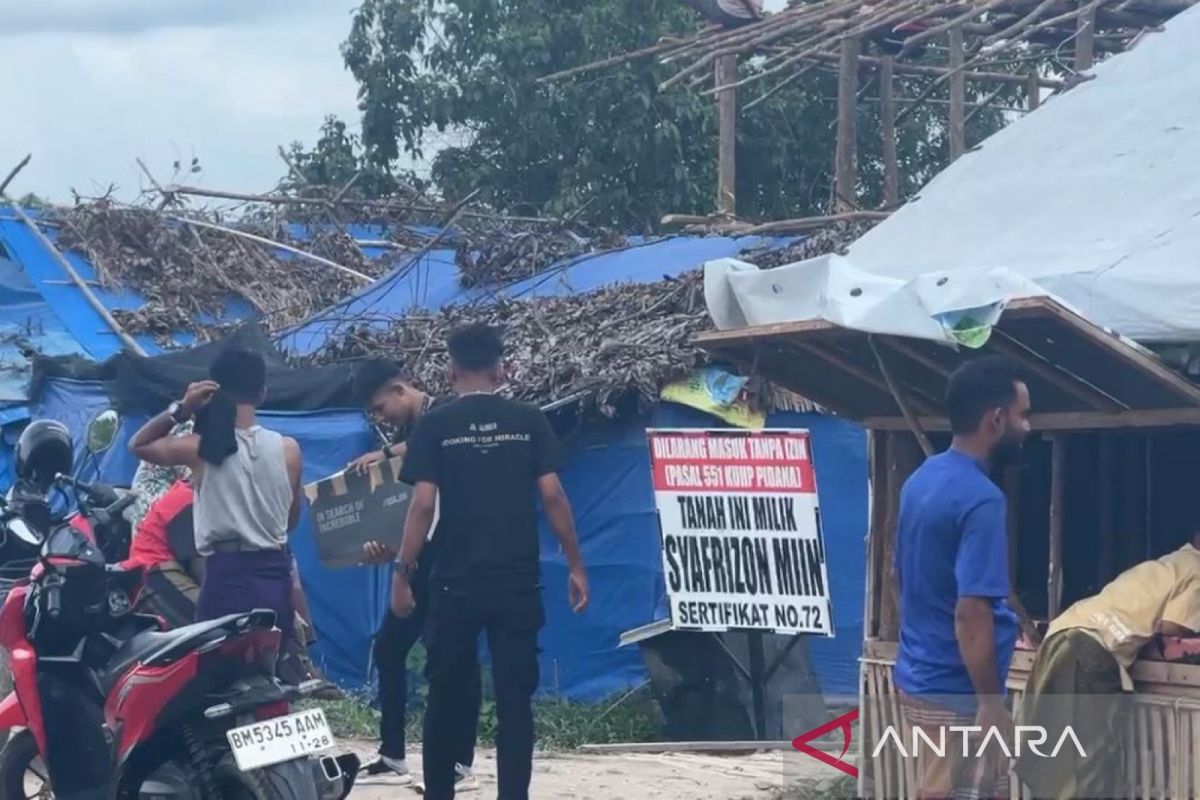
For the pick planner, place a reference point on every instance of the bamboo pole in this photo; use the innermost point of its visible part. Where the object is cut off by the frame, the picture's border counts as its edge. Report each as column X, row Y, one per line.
column 958, row 90
column 846, row 164
column 937, row 30
column 250, row 237
column 128, row 341
column 928, row 70
column 1033, row 91
column 726, row 75
column 887, row 125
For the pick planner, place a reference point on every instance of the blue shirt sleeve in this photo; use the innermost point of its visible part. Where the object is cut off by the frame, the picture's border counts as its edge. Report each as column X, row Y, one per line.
column 981, row 566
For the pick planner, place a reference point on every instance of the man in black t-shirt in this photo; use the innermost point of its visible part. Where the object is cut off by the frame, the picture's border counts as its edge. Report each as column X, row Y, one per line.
column 390, row 399
column 489, row 460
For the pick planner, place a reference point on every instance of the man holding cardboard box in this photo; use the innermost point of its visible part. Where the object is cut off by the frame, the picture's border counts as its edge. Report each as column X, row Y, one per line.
column 391, row 400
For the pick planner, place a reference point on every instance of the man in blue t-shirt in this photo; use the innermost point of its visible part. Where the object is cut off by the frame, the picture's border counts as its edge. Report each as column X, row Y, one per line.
column 957, row 632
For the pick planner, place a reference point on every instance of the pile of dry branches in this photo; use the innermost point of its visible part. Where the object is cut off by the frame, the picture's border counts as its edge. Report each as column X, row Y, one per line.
column 830, row 239
column 608, row 344
column 505, row 256
column 187, row 274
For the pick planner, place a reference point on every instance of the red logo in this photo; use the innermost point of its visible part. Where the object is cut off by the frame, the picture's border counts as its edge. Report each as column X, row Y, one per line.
column 801, row 743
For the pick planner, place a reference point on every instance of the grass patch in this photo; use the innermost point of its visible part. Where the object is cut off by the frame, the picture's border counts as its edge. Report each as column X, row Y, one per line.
column 350, row 718
column 560, row 724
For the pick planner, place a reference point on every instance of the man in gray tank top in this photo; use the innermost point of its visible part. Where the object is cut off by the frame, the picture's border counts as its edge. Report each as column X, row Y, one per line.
column 247, row 481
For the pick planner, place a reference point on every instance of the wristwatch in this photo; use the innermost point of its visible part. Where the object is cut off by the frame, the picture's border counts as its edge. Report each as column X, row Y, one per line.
column 176, row 412
column 405, row 569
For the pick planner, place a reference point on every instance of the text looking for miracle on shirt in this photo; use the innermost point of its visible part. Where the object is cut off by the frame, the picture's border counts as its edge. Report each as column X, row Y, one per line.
column 485, row 454
column 951, row 542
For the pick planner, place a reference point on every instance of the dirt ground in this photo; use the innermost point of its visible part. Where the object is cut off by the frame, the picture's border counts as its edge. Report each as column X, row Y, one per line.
column 669, row 776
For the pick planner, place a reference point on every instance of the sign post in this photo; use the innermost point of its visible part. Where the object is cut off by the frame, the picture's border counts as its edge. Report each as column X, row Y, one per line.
column 741, row 539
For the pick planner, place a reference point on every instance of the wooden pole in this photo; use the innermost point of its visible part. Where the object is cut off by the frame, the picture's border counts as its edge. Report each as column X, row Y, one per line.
column 887, row 117
column 876, row 503
column 1057, row 496
column 902, row 401
column 90, row 296
column 889, row 601
column 1033, row 91
column 726, row 76
column 1085, row 39
column 1106, row 490
column 846, row 165
column 958, row 95
column 1012, row 494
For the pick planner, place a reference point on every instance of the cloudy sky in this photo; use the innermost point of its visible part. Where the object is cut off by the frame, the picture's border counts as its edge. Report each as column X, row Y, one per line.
column 94, row 84
column 102, row 83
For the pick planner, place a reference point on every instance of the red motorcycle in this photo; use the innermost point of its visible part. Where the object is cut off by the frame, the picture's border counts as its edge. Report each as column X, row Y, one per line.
column 193, row 713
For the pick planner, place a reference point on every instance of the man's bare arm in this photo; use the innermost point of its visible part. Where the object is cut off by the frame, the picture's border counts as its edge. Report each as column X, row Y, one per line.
column 421, row 509
column 974, row 630
column 295, row 467
column 154, row 444
column 562, row 524
column 558, row 514
column 418, row 522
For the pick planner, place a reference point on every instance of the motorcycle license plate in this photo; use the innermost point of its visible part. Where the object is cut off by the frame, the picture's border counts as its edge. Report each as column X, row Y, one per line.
column 280, row 739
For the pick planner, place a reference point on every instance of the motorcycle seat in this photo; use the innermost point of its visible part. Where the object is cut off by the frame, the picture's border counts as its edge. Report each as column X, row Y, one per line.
column 165, row 647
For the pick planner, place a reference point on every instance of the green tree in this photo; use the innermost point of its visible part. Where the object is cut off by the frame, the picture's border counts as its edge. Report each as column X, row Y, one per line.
column 609, row 143
column 336, row 158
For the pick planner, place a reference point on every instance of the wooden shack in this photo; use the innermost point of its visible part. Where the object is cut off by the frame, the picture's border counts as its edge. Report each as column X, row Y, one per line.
column 1110, row 477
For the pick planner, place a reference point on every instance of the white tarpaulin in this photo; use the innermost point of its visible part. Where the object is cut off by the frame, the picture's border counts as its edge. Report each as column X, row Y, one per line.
column 1094, row 198
column 954, row 307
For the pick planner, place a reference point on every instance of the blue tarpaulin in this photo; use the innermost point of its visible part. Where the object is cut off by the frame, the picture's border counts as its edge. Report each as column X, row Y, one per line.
column 432, row 282
column 607, row 475
column 607, row 478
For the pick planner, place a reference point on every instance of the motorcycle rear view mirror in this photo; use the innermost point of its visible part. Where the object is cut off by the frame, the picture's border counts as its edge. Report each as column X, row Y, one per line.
column 102, row 431
column 22, row 531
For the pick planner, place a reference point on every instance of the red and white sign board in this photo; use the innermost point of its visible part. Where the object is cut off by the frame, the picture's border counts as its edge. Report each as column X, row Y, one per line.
column 741, row 530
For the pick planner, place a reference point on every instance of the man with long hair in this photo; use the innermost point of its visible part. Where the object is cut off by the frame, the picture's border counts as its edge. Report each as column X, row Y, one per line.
column 247, row 482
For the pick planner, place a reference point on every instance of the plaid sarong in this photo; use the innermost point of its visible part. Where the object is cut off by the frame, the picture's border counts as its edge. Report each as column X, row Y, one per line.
column 952, row 776
column 1075, row 683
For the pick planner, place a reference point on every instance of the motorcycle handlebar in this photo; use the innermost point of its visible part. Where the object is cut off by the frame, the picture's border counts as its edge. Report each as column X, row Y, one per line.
column 53, row 601
column 123, row 503
column 99, row 493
